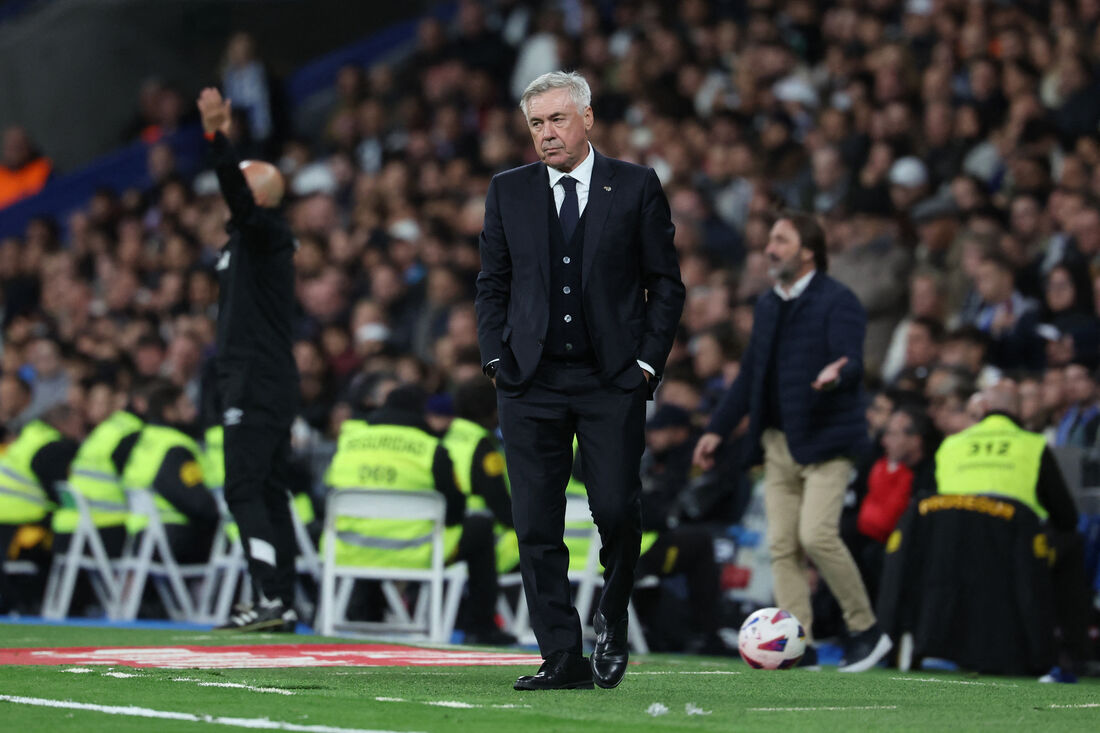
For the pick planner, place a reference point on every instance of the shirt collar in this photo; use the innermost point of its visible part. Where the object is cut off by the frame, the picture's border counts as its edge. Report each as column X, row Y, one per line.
column 797, row 289
column 582, row 173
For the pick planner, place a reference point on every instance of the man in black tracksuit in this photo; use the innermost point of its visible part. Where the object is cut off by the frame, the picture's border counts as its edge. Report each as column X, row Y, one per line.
column 256, row 374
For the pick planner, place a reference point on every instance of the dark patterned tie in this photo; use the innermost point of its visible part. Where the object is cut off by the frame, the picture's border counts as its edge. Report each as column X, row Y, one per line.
column 570, row 208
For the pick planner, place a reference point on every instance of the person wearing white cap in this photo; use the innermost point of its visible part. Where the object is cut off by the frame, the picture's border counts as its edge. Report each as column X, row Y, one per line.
column 908, row 179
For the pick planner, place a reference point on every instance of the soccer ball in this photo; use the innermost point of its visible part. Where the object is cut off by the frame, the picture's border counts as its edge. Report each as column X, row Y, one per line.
column 771, row 638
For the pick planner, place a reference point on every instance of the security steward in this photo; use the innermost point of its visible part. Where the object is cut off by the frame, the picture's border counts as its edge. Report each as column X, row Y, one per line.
column 256, row 374
column 168, row 461
column 479, row 465
column 33, row 463
column 996, row 457
column 96, row 473
column 396, row 450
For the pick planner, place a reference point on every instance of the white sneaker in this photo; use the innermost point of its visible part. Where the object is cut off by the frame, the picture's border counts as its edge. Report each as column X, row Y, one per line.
column 865, row 650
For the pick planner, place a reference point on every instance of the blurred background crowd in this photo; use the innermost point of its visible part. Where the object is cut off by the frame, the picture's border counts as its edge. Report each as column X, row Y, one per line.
column 951, row 147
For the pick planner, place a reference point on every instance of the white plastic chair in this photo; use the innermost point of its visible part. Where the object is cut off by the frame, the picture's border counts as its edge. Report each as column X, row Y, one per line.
column 434, row 616
column 85, row 552
column 307, row 563
column 150, row 554
column 226, row 572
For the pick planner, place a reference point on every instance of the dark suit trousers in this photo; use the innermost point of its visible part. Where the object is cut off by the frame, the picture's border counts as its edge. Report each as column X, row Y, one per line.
column 538, row 426
column 258, row 496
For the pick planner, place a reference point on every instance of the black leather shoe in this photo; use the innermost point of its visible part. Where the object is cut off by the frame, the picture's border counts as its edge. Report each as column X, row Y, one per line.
column 611, row 653
column 560, row 671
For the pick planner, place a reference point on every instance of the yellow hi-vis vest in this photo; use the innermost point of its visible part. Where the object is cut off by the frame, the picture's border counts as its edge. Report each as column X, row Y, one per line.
column 349, row 430
column 213, row 457
column 93, row 474
column 996, row 457
column 22, row 498
column 461, row 441
column 578, row 535
column 386, row 457
column 145, row 461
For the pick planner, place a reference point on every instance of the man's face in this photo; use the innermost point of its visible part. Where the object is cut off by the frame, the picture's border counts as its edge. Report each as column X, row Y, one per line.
column 558, row 129
column 1080, row 389
column 898, row 439
column 920, row 348
column 993, row 283
column 878, row 412
column 1031, row 400
column 787, row 259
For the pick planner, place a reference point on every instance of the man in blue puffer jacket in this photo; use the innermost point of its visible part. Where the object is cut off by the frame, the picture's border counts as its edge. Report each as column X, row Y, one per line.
column 800, row 386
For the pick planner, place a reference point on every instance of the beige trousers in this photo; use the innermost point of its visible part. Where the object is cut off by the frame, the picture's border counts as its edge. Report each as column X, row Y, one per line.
column 803, row 505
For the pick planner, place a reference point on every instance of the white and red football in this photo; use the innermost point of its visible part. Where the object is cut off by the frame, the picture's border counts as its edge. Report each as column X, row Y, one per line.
column 771, row 638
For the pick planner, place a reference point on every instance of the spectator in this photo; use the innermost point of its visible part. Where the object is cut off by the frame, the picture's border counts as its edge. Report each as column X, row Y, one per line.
column 246, row 84
column 926, row 299
column 23, row 170
column 15, row 397
column 1068, row 308
column 905, row 470
column 1079, row 424
column 1008, row 317
column 49, row 380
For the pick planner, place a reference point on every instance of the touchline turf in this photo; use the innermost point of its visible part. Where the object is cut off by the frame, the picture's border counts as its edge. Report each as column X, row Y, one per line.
column 660, row 693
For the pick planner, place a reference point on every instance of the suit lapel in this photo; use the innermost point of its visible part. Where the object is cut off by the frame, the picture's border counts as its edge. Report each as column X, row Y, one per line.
column 538, row 216
column 600, row 193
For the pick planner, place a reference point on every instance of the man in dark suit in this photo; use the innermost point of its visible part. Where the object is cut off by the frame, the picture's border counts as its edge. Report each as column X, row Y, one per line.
column 578, row 300
column 800, row 385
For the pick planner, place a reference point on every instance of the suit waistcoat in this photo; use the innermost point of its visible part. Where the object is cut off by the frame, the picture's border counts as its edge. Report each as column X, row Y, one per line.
column 567, row 334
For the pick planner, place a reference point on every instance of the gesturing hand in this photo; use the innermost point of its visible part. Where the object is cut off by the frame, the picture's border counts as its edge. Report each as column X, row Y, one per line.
column 830, row 375
column 214, row 111
column 705, row 449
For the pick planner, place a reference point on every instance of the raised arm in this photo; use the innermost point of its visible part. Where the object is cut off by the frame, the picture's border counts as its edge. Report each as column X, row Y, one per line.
column 216, row 124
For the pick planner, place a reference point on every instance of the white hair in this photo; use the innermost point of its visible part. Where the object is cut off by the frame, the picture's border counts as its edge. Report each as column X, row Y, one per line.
column 571, row 80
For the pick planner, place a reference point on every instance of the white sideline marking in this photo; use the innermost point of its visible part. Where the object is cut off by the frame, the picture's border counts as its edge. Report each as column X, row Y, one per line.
column 951, row 682
column 77, row 670
column 657, row 708
column 450, row 703
column 234, row 685
column 693, row 709
column 708, row 671
column 120, row 675
column 818, row 709
column 134, row 711
column 1077, row 705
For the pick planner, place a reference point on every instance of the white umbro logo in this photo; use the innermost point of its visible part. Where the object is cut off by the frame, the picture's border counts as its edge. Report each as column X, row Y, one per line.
column 233, row 416
column 223, row 262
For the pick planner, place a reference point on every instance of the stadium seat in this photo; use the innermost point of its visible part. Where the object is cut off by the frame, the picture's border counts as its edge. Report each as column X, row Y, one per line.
column 150, row 554
column 85, row 552
column 226, row 572
column 308, row 562
column 434, row 615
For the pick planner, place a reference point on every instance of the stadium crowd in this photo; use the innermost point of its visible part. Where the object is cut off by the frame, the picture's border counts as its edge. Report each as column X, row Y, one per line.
column 951, row 148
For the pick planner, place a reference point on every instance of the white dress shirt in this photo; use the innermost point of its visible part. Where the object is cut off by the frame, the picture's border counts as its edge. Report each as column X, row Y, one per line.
column 797, row 289
column 582, row 174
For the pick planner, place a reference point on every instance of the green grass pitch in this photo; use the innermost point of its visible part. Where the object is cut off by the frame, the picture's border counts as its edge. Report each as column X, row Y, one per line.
column 657, row 695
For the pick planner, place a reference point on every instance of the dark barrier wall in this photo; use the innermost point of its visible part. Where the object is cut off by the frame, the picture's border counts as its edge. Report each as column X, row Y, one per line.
column 70, row 69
